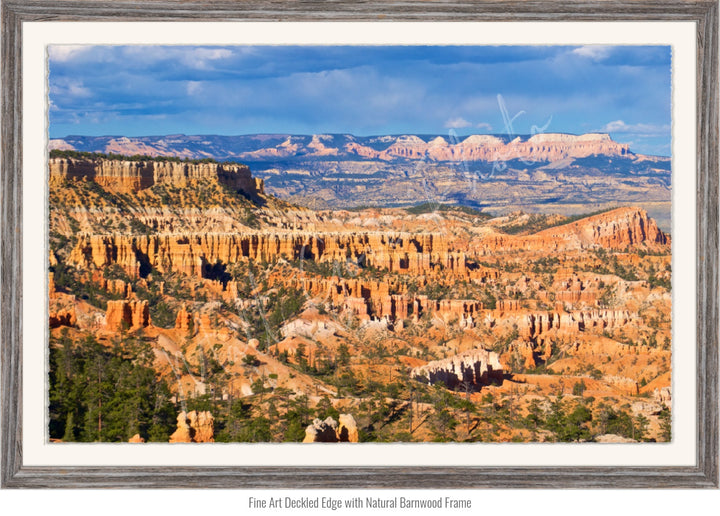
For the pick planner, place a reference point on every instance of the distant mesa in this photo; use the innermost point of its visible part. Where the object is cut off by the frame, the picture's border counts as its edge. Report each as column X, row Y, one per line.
column 478, row 147
column 541, row 147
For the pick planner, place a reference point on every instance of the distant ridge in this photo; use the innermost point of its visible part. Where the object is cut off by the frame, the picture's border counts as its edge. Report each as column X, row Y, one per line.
column 548, row 147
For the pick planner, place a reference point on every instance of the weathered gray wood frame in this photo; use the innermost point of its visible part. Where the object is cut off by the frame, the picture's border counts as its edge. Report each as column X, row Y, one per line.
column 703, row 474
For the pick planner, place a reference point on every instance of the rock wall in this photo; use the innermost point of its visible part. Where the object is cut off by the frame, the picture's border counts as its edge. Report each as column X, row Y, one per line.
column 406, row 253
column 478, row 366
column 131, row 176
column 196, row 254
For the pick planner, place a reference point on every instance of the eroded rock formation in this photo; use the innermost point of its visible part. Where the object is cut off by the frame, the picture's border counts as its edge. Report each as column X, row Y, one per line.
column 194, row 427
column 663, row 396
column 131, row 176
column 197, row 254
column 321, row 431
column 347, row 429
column 184, row 321
column 476, row 367
column 368, row 299
column 533, row 325
column 330, row 431
column 129, row 314
column 405, row 253
column 508, row 305
column 63, row 317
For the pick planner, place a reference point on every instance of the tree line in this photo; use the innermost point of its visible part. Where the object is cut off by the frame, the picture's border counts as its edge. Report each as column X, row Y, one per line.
column 107, row 393
column 57, row 153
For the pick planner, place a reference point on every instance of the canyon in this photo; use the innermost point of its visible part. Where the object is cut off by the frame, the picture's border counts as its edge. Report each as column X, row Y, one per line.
column 271, row 321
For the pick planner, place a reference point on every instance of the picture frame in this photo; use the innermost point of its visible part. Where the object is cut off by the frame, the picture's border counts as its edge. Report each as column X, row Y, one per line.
column 703, row 474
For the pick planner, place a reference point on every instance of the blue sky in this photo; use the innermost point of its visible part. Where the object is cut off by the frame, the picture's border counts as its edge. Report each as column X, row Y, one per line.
column 363, row 90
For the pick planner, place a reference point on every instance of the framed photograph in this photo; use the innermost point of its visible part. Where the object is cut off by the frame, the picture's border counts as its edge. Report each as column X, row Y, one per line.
column 260, row 245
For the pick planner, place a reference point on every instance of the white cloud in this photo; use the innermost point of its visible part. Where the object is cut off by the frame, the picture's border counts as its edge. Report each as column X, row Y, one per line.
column 201, row 57
column 197, row 58
column 212, row 53
column 484, row 126
column 594, row 52
column 457, row 123
column 193, row 87
column 64, row 53
column 618, row 126
column 145, row 53
column 69, row 88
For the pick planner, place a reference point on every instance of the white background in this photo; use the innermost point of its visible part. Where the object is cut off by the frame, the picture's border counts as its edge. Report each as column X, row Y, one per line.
column 535, row 501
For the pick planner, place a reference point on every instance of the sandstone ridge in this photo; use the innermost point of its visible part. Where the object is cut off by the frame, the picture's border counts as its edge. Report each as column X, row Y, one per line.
column 195, row 254
column 615, row 229
column 132, row 176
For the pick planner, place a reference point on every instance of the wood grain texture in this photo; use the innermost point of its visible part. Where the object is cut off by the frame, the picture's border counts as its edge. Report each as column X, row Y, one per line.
column 704, row 474
column 11, row 254
column 427, row 10
column 707, row 241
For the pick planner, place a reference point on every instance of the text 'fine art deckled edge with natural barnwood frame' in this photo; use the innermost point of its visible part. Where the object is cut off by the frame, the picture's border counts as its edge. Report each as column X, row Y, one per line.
column 703, row 474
